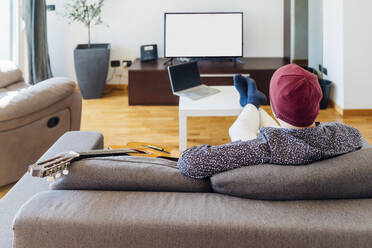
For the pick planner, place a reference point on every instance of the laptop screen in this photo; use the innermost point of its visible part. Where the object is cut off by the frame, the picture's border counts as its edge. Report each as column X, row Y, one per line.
column 184, row 76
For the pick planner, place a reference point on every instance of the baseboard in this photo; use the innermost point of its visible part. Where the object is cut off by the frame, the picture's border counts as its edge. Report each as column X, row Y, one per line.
column 349, row 112
column 334, row 105
column 357, row 112
column 110, row 87
column 122, row 87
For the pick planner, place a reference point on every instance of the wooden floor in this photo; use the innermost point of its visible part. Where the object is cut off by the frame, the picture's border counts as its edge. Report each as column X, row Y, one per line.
column 120, row 124
column 5, row 189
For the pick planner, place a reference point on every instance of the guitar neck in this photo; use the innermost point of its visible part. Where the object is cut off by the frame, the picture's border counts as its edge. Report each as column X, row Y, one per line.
column 106, row 153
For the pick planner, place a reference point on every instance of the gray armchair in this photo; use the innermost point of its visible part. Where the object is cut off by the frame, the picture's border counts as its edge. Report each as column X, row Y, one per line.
column 32, row 118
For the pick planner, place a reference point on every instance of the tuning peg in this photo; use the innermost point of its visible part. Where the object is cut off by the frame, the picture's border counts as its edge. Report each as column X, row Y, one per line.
column 65, row 170
column 50, row 178
column 58, row 175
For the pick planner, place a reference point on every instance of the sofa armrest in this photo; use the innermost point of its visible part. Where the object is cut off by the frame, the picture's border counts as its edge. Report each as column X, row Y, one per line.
column 28, row 186
column 26, row 101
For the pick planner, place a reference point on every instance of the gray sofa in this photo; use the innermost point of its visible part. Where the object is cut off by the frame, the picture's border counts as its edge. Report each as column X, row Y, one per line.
column 75, row 218
column 32, row 118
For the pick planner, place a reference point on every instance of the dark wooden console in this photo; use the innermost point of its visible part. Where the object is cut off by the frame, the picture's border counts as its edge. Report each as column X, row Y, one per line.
column 149, row 82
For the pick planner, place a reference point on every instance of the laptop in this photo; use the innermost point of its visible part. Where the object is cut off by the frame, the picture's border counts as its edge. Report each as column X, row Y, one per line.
column 185, row 81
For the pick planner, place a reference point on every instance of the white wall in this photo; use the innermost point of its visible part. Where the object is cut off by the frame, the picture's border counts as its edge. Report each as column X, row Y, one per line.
column 333, row 49
column 358, row 54
column 315, row 43
column 4, row 30
column 348, row 52
column 299, row 29
column 134, row 23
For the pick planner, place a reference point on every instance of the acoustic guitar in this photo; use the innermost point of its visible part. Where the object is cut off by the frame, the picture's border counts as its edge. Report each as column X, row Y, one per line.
column 53, row 168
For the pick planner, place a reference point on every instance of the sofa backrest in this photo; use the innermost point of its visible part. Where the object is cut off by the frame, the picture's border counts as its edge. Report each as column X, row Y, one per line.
column 9, row 73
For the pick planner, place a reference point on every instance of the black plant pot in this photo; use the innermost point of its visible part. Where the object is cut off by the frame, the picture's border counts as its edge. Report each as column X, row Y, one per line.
column 91, row 66
column 326, row 86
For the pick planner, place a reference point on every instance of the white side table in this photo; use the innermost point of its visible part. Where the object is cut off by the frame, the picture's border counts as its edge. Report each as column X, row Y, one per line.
column 225, row 103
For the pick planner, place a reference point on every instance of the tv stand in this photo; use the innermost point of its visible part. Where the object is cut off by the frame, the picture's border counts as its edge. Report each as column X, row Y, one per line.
column 149, row 81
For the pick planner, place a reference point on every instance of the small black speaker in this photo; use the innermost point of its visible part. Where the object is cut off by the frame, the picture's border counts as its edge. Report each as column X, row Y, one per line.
column 149, row 52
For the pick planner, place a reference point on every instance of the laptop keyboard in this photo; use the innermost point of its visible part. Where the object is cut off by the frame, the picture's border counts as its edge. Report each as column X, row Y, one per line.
column 193, row 95
column 200, row 93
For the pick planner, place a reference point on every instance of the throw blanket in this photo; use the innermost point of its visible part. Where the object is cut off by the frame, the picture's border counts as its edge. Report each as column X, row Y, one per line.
column 281, row 146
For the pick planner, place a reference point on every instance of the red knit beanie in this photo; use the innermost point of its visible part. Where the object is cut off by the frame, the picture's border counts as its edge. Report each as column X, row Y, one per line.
column 295, row 95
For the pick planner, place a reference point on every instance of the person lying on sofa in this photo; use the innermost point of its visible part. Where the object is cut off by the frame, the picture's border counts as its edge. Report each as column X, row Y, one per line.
column 295, row 95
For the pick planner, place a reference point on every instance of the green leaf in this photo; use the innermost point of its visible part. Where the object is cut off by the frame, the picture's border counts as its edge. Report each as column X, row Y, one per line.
column 85, row 12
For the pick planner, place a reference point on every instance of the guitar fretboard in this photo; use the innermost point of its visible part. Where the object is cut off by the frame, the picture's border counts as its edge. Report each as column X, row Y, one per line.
column 102, row 153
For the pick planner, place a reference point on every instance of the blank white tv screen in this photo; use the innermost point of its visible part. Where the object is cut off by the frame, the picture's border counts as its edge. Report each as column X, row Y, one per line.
column 203, row 35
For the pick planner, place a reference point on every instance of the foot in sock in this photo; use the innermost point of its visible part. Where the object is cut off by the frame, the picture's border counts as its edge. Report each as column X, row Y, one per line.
column 240, row 84
column 254, row 96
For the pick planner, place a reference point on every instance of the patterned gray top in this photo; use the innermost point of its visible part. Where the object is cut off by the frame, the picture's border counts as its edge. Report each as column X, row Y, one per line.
column 282, row 146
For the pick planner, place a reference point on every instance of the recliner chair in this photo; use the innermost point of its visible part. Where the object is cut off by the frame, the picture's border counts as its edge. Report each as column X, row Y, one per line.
column 32, row 118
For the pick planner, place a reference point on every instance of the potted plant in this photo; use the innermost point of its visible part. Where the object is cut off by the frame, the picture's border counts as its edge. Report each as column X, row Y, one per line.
column 91, row 60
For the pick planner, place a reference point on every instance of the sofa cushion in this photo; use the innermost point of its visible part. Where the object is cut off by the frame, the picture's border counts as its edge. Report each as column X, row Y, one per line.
column 9, row 73
column 18, row 103
column 342, row 177
column 95, row 219
column 128, row 173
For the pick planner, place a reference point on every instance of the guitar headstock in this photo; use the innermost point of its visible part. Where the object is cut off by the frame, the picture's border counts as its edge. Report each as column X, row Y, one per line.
column 52, row 168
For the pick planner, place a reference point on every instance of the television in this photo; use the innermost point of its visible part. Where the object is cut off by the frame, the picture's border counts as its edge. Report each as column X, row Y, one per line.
column 190, row 35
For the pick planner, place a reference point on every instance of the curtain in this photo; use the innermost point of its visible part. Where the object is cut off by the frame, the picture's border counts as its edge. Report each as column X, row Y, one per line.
column 37, row 42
